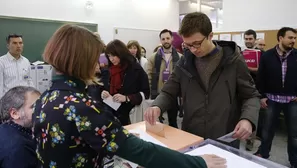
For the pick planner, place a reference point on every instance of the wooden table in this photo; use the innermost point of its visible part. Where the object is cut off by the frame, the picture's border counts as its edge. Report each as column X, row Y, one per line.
column 174, row 139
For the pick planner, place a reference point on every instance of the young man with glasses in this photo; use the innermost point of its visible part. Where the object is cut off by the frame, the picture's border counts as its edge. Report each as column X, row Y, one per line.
column 218, row 92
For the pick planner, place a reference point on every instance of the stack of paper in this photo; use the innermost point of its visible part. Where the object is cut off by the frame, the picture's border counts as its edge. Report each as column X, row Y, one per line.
column 233, row 161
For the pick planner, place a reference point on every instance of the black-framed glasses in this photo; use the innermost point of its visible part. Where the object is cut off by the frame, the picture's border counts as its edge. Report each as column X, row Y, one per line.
column 195, row 44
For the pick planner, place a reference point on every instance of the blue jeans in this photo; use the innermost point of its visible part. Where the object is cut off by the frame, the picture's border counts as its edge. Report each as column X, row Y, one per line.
column 270, row 124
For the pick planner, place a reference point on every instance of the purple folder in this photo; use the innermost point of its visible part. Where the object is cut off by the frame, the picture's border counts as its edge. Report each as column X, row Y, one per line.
column 103, row 59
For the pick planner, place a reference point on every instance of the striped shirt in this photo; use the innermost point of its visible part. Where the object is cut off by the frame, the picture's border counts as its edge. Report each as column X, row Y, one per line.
column 13, row 73
column 283, row 59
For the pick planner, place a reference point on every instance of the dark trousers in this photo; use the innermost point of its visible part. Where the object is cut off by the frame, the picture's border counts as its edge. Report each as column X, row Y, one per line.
column 260, row 122
column 172, row 115
column 271, row 118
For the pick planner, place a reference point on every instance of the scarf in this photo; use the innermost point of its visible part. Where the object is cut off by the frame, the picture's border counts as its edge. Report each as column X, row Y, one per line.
column 116, row 78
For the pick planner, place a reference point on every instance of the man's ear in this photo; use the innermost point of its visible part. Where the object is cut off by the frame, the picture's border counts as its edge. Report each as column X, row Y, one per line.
column 210, row 36
column 14, row 114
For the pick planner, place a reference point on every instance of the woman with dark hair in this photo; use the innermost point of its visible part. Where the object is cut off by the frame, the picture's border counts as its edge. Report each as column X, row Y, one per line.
column 128, row 83
column 73, row 130
column 143, row 51
column 135, row 50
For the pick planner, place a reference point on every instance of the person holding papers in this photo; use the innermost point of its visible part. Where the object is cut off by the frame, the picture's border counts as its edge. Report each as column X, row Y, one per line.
column 128, row 83
column 219, row 95
column 73, row 130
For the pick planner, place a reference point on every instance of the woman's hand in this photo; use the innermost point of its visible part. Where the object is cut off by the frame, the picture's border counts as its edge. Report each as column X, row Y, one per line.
column 105, row 94
column 119, row 98
column 213, row 161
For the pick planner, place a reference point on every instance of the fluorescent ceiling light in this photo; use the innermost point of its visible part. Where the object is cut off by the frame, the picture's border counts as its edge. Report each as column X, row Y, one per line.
column 208, row 7
column 204, row 6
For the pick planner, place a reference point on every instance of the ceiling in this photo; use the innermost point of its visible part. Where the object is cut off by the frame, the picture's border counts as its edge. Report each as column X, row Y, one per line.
column 212, row 3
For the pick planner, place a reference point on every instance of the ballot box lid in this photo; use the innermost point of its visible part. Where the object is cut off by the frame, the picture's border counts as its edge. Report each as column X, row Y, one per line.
column 174, row 139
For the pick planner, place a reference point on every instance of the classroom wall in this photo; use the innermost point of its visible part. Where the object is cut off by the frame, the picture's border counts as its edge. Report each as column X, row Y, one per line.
column 189, row 7
column 240, row 15
column 143, row 14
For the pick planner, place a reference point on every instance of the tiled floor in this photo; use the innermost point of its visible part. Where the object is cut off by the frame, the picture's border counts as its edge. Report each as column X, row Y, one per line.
column 278, row 151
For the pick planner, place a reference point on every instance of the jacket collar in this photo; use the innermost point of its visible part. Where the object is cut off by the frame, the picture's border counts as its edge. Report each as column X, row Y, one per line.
column 19, row 128
column 230, row 53
column 11, row 58
column 64, row 82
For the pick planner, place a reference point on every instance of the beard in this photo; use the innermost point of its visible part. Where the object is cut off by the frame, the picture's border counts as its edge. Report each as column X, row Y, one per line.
column 249, row 45
column 288, row 47
column 25, row 120
column 166, row 46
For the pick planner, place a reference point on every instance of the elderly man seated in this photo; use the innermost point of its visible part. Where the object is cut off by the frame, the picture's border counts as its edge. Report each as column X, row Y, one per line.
column 17, row 147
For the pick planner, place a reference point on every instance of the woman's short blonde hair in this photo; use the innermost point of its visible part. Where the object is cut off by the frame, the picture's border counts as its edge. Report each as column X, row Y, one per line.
column 74, row 51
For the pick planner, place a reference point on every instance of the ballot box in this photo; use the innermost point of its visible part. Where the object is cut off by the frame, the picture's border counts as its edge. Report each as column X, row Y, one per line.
column 173, row 138
column 235, row 157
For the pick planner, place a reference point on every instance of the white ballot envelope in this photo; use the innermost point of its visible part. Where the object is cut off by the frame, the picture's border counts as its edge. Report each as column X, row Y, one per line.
column 228, row 137
column 109, row 101
column 157, row 129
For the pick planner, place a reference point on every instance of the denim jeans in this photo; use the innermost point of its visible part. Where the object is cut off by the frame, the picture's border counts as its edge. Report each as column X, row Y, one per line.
column 270, row 124
column 260, row 123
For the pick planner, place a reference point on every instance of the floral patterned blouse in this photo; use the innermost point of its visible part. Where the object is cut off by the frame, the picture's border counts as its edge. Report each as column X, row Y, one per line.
column 71, row 129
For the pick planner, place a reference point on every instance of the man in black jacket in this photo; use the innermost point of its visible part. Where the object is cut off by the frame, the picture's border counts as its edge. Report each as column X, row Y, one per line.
column 277, row 82
column 17, row 147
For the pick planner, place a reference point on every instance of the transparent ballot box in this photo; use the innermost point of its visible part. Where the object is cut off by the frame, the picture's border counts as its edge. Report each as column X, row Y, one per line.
column 234, row 157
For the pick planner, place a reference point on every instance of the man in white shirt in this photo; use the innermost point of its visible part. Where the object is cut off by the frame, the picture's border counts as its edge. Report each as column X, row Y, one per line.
column 14, row 68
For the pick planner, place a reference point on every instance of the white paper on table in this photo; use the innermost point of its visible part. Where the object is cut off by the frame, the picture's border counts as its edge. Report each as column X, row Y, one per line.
column 146, row 137
column 109, row 101
column 233, row 161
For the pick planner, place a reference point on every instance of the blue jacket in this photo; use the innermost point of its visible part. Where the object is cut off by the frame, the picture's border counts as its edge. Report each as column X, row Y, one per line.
column 17, row 148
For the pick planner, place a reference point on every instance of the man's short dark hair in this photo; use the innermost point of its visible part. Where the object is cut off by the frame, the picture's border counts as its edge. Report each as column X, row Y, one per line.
column 251, row 32
column 196, row 22
column 165, row 31
column 282, row 32
column 12, row 36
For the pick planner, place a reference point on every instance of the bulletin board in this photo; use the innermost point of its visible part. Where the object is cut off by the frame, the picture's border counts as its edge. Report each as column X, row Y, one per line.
column 270, row 37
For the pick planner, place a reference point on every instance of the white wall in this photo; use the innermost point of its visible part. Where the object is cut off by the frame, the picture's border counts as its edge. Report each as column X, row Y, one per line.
column 240, row 15
column 143, row 14
column 189, row 7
